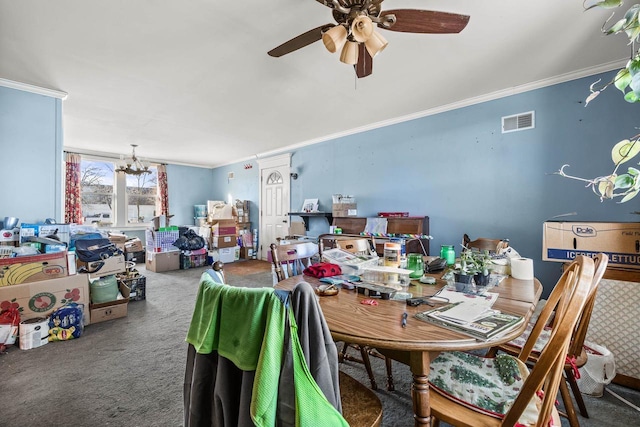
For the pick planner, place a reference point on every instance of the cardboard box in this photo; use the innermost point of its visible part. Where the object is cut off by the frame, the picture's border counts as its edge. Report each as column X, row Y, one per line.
column 246, row 253
column 118, row 240
column 345, row 209
column 10, row 236
column 40, row 299
column 112, row 309
column 221, row 241
column 227, row 255
column 32, row 268
column 297, row 229
column 243, row 227
column 163, row 261
column 133, row 245
column 62, row 231
column 223, row 227
column 137, row 257
column 562, row 241
column 112, row 265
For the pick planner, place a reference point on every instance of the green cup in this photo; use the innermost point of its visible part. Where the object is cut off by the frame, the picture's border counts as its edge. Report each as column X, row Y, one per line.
column 415, row 263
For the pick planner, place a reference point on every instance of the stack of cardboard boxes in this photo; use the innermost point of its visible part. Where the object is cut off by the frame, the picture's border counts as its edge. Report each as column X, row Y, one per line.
column 161, row 254
column 104, row 311
column 246, row 240
column 40, row 284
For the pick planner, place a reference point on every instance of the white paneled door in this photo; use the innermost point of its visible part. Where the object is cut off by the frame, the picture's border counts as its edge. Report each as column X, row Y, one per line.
column 274, row 201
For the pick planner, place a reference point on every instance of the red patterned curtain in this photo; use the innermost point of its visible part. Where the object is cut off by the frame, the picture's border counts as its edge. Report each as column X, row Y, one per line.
column 162, row 205
column 72, row 200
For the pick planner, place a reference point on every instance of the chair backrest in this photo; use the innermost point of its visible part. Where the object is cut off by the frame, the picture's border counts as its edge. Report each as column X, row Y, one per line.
column 360, row 246
column 291, row 260
column 483, row 243
column 565, row 302
column 600, row 262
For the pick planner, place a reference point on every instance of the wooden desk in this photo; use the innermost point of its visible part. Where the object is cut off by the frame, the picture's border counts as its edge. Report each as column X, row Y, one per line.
column 420, row 342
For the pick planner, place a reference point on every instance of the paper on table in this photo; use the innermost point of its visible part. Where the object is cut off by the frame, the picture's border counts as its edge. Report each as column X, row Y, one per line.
column 465, row 312
column 487, row 299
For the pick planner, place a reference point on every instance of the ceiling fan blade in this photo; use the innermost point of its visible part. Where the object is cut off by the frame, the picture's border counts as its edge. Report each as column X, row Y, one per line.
column 364, row 67
column 425, row 21
column 300, row 41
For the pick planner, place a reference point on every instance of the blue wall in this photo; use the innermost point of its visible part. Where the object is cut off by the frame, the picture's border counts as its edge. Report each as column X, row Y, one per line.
column 455, row 167
column 461, row 171
column 188, row 186
column 245, row 185
column 31, row 147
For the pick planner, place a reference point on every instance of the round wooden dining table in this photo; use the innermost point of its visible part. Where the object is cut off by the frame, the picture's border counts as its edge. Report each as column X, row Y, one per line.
column 418, row 343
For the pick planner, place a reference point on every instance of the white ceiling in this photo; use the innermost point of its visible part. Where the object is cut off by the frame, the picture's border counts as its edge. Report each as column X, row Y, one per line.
column 190, row 82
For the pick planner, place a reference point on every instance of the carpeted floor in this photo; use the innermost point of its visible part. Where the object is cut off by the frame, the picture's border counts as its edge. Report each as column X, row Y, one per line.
column 129, row 371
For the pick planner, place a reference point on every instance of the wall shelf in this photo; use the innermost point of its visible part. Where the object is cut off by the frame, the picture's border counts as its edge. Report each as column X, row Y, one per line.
column 306, row 215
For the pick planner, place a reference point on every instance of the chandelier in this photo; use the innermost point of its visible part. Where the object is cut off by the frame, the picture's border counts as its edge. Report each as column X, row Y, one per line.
column 132, row 165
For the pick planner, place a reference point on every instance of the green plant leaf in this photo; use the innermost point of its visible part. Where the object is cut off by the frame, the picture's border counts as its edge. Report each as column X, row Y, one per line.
column 622, row 79
column 606, row 4
column 634, row 67
column 623, row 181
column 631, row 97
column 633, row 171
column 624, row 150
column 618, row 26
column 629, row 196
column 633, row 31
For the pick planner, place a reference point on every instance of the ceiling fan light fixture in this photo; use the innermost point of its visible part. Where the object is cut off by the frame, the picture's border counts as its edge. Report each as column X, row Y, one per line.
column 349, row 54
column 375, row 44
column 361, row 28
column 334, row 38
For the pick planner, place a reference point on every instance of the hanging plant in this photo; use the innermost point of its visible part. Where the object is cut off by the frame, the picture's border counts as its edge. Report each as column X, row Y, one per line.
column 625, row 185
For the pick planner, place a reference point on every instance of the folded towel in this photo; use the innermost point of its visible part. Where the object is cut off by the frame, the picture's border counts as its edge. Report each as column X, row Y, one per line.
column 323, row 269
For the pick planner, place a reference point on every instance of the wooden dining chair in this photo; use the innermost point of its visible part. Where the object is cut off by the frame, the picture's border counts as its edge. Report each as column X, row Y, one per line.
column 363, row 246
column 291, row 260
column 483, row 243
column 470, row 390
column 576, row 355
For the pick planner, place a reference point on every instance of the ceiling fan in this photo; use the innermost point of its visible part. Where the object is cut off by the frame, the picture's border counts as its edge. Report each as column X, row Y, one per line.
column 354, row 34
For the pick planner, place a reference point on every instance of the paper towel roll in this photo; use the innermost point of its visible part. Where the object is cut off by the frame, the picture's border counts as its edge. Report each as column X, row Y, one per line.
column 33, row 333
column 522, row 268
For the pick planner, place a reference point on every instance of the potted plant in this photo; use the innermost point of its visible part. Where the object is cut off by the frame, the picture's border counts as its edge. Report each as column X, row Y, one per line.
column 482, row 267
column 474, row 266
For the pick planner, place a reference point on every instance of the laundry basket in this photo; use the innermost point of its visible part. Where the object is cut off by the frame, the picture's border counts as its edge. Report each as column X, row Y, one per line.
column 598, row 371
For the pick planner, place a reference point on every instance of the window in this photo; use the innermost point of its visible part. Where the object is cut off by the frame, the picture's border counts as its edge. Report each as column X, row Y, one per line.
column 116, row 199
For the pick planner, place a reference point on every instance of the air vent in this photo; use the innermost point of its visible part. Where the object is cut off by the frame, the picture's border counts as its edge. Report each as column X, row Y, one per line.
column 518, row 122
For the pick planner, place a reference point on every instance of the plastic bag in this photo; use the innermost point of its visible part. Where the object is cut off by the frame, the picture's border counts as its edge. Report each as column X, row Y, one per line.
column 89, row 250
column 189, row 241
column 9, row 322
column 67, row 322
column 598, row 371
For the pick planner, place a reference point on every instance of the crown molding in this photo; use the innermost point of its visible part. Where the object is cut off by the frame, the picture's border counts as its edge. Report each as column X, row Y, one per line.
column 34, row 89
column 574, row 75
